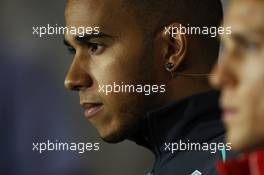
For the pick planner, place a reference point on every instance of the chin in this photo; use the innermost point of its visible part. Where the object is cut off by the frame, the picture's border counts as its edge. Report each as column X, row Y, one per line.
column 239, row 141
column 119, row 131
column 116, row 136
column 113, row 139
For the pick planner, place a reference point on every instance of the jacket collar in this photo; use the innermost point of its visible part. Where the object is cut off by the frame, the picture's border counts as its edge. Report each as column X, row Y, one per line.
column 185, row 119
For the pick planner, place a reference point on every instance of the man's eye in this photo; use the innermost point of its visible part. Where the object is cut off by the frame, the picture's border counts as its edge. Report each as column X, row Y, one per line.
column 95, row 48
column 251, row 46
column 71, row 50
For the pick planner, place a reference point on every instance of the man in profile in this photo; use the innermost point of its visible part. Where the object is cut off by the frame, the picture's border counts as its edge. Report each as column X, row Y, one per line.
column 240, row 76
column 135, row 48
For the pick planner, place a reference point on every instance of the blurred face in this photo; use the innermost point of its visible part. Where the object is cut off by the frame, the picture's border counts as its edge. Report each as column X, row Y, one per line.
column 117, row 55
column 240, row 75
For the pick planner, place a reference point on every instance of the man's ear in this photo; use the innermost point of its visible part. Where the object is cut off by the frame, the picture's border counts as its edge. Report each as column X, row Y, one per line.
column 172, row 46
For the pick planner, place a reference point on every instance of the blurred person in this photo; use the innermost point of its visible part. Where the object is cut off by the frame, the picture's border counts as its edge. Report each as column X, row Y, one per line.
column 133, row 48
column 240, row 76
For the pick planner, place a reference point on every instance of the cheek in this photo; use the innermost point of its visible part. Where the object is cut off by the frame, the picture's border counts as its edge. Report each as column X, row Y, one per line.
column 251, row 92
column 252, row 82
column 109, row 69
column 119, row 64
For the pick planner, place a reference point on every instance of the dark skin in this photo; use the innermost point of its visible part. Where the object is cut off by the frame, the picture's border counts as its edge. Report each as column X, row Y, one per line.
column 119, row 54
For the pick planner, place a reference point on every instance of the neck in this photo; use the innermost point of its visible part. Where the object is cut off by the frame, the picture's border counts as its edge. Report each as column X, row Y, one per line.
column 172, row 122
column 181, row 87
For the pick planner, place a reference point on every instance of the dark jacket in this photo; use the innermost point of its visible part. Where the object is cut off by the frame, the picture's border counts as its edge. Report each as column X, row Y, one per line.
column 247, row 164
column 195, row 119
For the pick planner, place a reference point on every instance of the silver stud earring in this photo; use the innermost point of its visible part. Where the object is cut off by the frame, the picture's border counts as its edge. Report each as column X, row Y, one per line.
column 169, row 67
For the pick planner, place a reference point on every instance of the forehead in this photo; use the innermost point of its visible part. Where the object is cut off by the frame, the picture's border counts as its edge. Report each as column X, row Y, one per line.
column 246, row 16
column 93, row 12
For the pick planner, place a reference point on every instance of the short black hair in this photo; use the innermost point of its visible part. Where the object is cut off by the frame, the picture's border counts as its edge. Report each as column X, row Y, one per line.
column 154, row 15
column 193, row 12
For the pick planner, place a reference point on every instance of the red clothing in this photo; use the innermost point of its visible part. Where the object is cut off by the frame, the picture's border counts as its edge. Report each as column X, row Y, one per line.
column 250, row 164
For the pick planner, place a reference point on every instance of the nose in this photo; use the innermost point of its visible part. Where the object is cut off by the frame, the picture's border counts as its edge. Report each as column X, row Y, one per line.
column 223, row 74
column 77, row 77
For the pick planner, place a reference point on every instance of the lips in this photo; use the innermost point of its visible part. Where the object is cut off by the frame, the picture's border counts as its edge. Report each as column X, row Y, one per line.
column 91, row 109
column 229, row 113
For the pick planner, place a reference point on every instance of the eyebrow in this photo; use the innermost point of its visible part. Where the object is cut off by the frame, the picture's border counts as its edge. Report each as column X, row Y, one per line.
column 88, row 37
column 85, row 38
